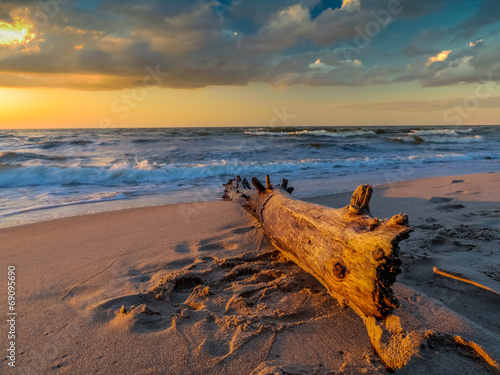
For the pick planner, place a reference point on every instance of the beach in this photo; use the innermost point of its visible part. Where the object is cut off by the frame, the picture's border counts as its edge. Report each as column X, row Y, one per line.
column 250, row 187
column 196, row 288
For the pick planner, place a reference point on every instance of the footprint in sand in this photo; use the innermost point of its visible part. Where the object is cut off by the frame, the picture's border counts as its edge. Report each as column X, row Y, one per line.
column 140, row 279
column 281, row 367
column 210, row 246
column 183, row 287
column 215, row 348
column 182, row 247
column 215, row 245
column 432, row 227
column 445, row 207
column 450, row 207
column 243, row 230
column 235, row 300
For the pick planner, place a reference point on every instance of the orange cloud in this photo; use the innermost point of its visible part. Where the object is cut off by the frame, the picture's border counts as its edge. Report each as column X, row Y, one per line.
column 352, row 4
column 439, row 57
column 473, row 44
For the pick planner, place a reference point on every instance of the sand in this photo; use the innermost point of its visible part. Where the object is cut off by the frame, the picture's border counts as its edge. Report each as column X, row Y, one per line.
column 197, row 289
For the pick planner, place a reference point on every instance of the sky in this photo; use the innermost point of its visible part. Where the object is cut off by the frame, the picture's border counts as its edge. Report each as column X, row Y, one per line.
column 155, row 63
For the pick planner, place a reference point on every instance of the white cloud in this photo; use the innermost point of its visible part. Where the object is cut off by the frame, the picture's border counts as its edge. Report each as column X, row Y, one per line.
column 333, row 25
column 282, row 29
column 318, row 65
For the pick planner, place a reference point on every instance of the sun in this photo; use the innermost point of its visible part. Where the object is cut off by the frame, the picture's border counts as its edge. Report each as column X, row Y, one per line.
column 19, row 32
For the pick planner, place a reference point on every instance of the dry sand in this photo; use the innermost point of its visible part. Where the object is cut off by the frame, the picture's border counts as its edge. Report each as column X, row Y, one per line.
column 197, row 289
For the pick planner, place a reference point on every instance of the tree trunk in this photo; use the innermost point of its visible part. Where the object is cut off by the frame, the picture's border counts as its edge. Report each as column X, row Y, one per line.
column 354, row 255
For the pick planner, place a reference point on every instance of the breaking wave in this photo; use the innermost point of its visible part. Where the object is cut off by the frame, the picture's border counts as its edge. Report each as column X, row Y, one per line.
column 453, row 132
column 419, row 139
column 143, row 172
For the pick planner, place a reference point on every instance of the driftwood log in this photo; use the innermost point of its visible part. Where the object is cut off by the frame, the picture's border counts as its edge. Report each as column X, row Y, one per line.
column 354, row 255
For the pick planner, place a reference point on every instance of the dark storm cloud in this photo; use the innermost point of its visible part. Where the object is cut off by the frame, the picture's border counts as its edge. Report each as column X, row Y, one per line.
column 226, row 42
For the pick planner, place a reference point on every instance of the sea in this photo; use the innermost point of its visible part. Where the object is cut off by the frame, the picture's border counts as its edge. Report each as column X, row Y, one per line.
column 48, row 174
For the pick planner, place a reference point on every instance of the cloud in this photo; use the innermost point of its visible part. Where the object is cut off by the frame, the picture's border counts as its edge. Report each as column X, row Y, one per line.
column 19, row 34
column 201, row 43
column 465, row 65
column 334, row 73
column 486, row 14
column 74, row 81
column 427, row 42
column 351, row 4
column 281, row 30
column 419, row 105
column 441, row 56
column 318, row 65
column 409, row 8
column 191, row 43
column 477, row 42
column 258, row 12
column 286, row 27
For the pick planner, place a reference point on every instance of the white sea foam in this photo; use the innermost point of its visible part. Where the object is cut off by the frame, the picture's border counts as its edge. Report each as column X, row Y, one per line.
column 101, row 197
column 437, row 139
column 475, row 139
column 323, row 133
column 145, row 173
column 453, row 132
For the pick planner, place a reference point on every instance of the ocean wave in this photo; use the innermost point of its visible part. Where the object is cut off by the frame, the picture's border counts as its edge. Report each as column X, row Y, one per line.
column 419, row 139
column 452, row 132
column 337, row 134
column 10, row 157
column 140, row 140
column 144, row 172
column 52, row 144
column 100, row 197
column 81, row 142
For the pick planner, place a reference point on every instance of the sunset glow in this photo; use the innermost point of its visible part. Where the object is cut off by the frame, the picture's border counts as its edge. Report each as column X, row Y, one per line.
column 350, row 3
column 185, row 186
column 19, row 32
column 439, row 57
column 331, row 63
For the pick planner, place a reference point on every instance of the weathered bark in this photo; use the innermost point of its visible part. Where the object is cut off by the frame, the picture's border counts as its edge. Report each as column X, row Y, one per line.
column 352, row 254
